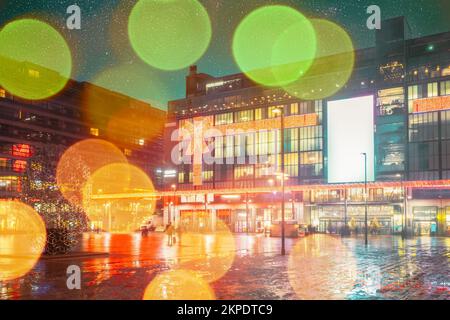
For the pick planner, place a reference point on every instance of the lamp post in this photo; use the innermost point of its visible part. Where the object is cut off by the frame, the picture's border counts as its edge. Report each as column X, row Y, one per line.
column 405, row 195
column 174, row 188
column 366, row 229
column 280, row 111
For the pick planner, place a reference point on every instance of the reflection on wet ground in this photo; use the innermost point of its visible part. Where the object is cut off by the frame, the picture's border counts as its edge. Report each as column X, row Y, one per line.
column 317, row 267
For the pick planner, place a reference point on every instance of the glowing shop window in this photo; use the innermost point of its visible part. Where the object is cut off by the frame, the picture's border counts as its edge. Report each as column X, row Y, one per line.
column 2, row 93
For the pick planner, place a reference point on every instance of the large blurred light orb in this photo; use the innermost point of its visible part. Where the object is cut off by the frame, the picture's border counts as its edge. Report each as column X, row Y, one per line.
column 274, row 45
column 79, row 162
column 178, row 285
column 35, row 60
column 22, row 239
column 108, row 198
column 333, row 66
column 210, row 256
column 322, row 268
column 169, row 34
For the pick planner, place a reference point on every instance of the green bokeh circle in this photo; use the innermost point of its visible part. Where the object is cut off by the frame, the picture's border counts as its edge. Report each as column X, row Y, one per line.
column 35, row 60
column 274, row 45
column 169, row 34
column 333, row 67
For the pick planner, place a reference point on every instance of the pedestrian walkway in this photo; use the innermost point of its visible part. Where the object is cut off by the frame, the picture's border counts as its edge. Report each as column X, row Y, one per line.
column 327, row 268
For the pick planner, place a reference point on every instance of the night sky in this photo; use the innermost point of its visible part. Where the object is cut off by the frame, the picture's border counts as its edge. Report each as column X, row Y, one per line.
column 102, row 43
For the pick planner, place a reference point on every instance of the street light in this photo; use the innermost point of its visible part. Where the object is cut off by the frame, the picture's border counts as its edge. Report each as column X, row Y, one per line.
column 280, row 112
column 365, row 200
column 405, row 199
column 174, row 188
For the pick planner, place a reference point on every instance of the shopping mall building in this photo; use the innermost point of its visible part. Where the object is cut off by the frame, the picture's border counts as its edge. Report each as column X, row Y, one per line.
column 389, row 126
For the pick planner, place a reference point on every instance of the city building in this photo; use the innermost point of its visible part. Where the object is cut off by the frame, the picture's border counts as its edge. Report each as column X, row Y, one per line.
column 401, row 88
column 34, row 134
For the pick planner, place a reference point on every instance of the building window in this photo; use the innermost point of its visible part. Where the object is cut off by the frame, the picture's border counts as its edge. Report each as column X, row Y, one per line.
column 445, row 124
column 244, row 116
column 2, row 93
column 128, row 152
column 259, row 114
column 218, row 147
column 273, row 142
column 180, row 177
column 424, row 156
column 262, row 146
column 94, row 132
column 445, row 88
column 294, row 108
column 229, row 146
column 433, row 90
column 291, row 140
column 291, row 164
column 208, row 176
column 141, row 142
column 224, row 118
column 311, row 164
column 423, row 127
column 311, row 138
column 414, row 93
column 239, row 145
column 243, row 172
column 274, row 112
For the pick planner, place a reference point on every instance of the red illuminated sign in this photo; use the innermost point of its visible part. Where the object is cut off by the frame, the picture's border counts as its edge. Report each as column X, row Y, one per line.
column 22, row 150
column 19, row 166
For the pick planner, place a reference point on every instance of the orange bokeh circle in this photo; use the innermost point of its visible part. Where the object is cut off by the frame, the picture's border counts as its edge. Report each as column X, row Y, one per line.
column 113, row 198
column 22, row 239
column 210, row 256
column 80, row 161
column 178, row 285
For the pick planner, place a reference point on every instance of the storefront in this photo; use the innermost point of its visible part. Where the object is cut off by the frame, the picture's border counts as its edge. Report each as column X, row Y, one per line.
column 382, row 219
column 425, row 221
column 195, row 221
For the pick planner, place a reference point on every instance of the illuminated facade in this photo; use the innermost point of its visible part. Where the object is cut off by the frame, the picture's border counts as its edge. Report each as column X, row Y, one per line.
column 29, row 127
column 220, row 172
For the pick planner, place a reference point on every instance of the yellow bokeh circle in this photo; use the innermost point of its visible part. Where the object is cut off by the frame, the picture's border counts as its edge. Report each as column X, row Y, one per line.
column 210, row 256
column 79, row 162
column 333, row 66
column 169, row 34
column 35, row 60
column 274, row 45
column 326, row 259
column 108, row 198
column 178, row 285
column 22, row 239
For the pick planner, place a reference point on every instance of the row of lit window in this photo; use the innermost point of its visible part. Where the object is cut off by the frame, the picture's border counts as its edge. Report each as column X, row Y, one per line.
column 266, row 113
column 307, row 163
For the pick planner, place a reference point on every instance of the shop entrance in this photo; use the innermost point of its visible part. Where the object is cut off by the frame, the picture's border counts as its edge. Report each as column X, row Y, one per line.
column 240, row 223
column 195, row 221
column 425, row 221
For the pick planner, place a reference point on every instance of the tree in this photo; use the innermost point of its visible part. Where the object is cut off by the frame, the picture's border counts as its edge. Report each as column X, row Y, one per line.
column 65, row 222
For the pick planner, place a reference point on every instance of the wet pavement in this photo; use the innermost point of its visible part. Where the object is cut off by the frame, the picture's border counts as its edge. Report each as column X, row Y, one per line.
column 249, row 268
